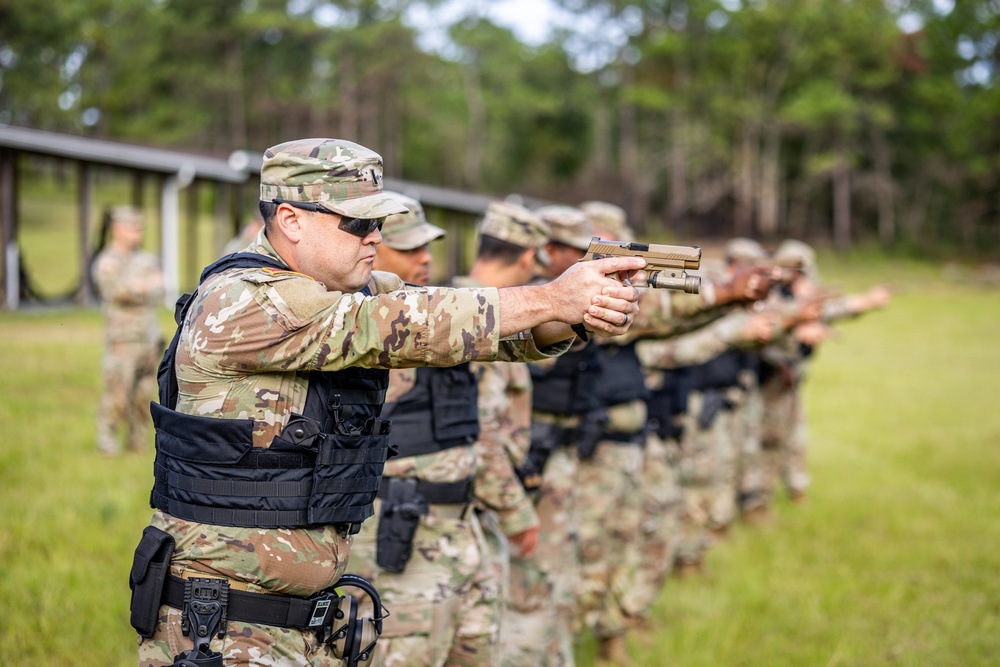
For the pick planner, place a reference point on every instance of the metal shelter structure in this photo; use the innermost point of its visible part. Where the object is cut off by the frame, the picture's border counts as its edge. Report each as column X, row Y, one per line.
column 175, row 172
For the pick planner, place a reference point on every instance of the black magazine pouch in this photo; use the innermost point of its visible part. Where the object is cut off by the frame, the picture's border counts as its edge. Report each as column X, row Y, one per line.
column 149, row 572
column 346, row 477
column 455, row 404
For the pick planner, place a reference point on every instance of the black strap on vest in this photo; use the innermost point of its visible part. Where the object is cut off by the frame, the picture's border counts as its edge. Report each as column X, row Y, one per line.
column 636, row 438
column 440, row 493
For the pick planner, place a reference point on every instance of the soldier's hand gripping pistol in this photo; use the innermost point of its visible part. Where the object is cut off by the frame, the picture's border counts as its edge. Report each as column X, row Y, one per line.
column 665, row 264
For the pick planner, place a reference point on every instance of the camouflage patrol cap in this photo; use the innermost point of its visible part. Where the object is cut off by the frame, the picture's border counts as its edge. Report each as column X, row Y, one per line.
column 127, row 215
column 742, row 249
column 517, row 225
column 794, row 254
column 341, row 175
column 410, row 230
column 605, row 215
column 569, row 226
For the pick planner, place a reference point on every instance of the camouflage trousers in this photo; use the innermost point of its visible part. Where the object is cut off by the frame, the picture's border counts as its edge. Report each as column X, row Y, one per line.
column 499, row 558
column 248, row 644
column 784, row 438
column 129, row 370
column 538, row 620
column 658, row 533
column 444, row 605
column 706, row 475
column 609, row 508
column 747, row 417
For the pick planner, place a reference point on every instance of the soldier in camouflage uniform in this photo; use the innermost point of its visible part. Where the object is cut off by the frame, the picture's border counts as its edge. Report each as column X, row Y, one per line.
column 609, row 479
column 255, row 345
column 130, row 285
column 406, row 238
column 784, row 427
column 538, row 621
column 512, row 240
column 748, row 401
column 451, row 603
column 714, row 322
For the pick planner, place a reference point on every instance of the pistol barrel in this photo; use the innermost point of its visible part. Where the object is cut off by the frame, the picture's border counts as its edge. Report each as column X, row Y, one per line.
column 675, row 280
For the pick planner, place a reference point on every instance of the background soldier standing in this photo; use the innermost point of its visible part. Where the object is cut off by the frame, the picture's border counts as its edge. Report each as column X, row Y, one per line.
column 130, row 284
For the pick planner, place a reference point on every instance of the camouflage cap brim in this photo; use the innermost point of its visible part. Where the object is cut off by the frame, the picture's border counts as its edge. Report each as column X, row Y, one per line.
column 373, row 206
column 412, row 238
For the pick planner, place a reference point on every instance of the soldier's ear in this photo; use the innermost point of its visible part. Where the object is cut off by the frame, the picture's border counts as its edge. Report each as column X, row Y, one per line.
column 287, row 221
column 527, row 258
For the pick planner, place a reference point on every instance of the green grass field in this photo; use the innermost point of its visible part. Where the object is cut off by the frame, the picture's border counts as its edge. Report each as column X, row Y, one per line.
column 893, row 560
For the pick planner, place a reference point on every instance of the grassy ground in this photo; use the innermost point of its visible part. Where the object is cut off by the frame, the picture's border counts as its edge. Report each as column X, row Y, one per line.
column 892, row 560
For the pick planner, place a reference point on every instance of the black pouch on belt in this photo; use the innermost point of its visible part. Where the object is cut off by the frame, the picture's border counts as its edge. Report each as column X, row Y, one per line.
column 402, row 507
column 149, row 570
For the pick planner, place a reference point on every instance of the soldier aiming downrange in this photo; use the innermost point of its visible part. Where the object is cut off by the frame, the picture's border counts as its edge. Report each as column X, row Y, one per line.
column 270, row 445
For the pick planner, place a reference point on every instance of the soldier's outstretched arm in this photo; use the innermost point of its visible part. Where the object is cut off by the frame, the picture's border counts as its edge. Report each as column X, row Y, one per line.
column 586, row 293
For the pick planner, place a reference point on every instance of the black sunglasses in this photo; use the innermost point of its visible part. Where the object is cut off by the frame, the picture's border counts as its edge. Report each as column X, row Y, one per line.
column 356, row 226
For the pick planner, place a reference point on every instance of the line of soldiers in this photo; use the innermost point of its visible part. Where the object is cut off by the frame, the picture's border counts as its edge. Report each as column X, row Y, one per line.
column 533, row 502
column 517, row 503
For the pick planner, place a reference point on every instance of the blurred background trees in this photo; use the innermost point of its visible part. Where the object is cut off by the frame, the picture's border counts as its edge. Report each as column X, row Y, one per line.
column 842, row 121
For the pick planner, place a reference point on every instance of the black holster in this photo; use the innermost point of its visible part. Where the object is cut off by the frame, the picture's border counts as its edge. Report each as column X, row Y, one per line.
column 150, row 567
column 545, row 438
column 402, row 507
column 713, row 401
column 195, row 658
column 589, row 433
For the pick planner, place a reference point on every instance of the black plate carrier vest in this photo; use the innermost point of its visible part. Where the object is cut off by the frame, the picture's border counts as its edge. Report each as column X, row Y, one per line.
column 622, row 379
column 567, row 387
column 323, row 469
column 440, row 412
column 669, row 400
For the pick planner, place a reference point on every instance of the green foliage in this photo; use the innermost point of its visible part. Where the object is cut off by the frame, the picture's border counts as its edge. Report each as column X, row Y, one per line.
column 702, row 107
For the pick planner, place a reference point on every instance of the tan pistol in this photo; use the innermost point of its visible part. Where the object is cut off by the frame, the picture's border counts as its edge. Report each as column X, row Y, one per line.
column 665, row 264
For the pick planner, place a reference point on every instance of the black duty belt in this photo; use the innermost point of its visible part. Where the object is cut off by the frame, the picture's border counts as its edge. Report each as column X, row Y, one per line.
column 283, row 611
column 439, row 493
column 637, row 438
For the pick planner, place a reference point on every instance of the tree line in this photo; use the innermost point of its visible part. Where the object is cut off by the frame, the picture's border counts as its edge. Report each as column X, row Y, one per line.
column 847, row 121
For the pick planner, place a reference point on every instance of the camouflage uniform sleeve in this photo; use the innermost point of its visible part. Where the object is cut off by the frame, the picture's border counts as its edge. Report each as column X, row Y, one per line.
column 664, row 313
column 265, row 320
column 505, row 428
column 696, row 347
column 839, row 308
